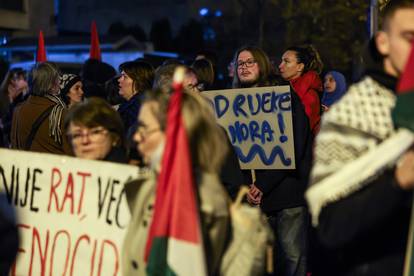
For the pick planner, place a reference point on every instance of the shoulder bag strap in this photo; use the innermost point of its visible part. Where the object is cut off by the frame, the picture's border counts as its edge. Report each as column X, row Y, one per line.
column 36, row 126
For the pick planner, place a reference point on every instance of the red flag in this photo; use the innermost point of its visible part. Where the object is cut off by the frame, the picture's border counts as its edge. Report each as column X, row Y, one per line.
column 175, row 245
column 41, row 51
column 406, row 82
column 95, row 51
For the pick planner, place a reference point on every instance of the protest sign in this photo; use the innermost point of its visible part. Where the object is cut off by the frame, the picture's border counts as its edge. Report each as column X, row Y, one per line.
column 72, row 214
column 258, row 122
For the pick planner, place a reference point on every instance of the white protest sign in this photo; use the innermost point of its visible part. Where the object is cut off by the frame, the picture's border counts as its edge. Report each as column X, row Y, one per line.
column 258, row 122
column 72, row 213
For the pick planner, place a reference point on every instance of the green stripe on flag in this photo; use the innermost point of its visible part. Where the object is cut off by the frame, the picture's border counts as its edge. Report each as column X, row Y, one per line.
column 158, row 258
column 403, row 112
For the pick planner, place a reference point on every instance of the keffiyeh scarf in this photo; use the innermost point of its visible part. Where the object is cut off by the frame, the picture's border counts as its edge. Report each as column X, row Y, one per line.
column 356, row 144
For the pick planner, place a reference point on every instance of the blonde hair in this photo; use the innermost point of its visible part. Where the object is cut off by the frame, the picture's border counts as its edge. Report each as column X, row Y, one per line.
column 206, row 138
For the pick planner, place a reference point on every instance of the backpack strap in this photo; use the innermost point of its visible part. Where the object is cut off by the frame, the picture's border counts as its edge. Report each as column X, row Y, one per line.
column 240, row 195
column 35, row 127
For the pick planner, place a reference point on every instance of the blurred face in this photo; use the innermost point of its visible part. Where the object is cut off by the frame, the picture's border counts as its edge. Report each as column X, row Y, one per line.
column 289, row 67
column 126, row 88
column 18, row 85
column 191, row 82
column 248, row 70
column 90, row 143
column 230, row 69
column 329, row 83
column 395, row 42
column 75, row 93
column 55, row 89
column 149, row 134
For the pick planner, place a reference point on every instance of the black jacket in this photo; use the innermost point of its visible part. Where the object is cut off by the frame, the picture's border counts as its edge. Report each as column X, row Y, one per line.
column 366, row 232
column 285, row 188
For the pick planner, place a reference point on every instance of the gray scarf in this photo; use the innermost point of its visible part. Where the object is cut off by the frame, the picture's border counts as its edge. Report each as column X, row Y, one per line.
column 55, row 118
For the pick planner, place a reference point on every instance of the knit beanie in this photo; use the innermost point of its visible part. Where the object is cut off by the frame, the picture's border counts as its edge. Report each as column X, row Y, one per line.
column 66, row 82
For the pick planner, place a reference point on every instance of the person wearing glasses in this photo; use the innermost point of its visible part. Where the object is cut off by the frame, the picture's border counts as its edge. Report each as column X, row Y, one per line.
column 301, row 66
column 253, row 68
column 95, row 131
column 280, row 193
column 208, row 153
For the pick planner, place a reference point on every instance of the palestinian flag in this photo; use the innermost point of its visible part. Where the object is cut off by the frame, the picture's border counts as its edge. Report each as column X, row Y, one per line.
column 175, row 245
column 403, row 112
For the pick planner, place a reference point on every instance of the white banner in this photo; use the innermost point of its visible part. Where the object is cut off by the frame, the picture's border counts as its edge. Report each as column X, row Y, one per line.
column 72, row 213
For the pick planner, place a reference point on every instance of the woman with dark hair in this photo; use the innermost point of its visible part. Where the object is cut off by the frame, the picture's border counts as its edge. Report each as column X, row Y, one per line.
column 95, row 74
column 71, row 89
column 205, row 74
column 13, row 90
column 38, row 122
column 136, row 77
column 301, row 66
column 14, row 84
column 95, row 131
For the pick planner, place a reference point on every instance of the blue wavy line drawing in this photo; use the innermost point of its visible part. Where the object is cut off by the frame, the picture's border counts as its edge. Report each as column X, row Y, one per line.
column 258, row 150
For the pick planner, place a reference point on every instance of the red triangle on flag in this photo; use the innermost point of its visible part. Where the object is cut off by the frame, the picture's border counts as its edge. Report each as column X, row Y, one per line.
column 406, row 82
column 95, row 50
column 41, row 51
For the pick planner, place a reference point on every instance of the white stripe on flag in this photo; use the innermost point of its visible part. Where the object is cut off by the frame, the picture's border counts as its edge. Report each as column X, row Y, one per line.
column 185, row 258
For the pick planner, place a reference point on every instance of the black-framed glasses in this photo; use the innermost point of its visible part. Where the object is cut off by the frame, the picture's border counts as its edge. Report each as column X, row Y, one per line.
column 248, row 63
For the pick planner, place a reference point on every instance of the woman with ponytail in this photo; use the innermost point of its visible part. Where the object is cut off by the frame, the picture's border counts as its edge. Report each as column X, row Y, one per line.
column 301, row 66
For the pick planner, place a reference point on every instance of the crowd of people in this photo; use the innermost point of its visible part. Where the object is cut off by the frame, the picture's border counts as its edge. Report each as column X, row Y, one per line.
column 337, row 213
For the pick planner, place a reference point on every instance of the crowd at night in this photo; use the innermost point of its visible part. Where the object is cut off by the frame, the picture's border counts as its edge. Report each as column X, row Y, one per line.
column 185, row 160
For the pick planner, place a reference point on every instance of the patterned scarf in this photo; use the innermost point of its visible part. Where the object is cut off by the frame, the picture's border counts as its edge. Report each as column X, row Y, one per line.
column 55, row 118
column 357, row 143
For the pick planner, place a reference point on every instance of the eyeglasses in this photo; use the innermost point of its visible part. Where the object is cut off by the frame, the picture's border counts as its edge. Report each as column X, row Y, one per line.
column 197, row 87
column 94, row 134
column 144, row 132
column 248, row 63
